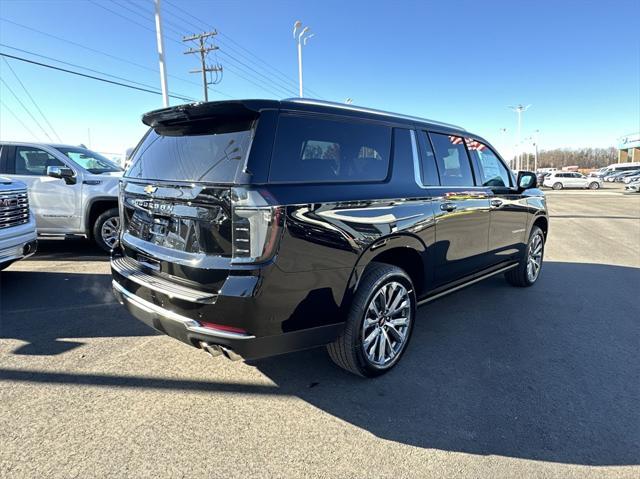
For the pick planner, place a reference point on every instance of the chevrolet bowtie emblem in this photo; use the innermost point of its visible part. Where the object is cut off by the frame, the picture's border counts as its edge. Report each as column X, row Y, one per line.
column 150, row 189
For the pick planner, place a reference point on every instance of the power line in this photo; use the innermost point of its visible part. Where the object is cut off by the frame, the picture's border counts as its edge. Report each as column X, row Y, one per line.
column 121, row 16
column 25, row 108
column 222, row 34
column 273, row 87
column 32, row 100
column 79, row 45
column 180, row 97
column 53, row 67
column 19, row 120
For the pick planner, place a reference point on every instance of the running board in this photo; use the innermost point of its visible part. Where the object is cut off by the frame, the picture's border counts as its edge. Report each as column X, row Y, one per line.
column 468, row 283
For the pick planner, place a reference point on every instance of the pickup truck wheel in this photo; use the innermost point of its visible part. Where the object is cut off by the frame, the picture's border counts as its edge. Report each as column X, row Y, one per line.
column 557, row 186
column 106, row 229
column 379, row 322
column 528, row 270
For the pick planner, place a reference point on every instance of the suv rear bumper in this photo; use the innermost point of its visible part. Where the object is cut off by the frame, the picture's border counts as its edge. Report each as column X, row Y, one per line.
column 153, row 310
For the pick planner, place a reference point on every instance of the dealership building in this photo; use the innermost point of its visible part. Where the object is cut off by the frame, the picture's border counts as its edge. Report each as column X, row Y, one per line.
column 629, row 148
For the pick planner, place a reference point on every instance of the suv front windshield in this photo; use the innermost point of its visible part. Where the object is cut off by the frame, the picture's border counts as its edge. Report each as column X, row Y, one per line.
column 89, row 160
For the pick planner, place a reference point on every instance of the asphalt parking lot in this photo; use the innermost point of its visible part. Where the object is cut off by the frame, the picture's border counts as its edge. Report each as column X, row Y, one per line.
column 498, row 381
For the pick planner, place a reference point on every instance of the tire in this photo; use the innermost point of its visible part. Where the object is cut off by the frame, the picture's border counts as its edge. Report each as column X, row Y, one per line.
column 557, row 186
column 103, row 229
column 520, row 276
column 594, row 186
column 349, row 351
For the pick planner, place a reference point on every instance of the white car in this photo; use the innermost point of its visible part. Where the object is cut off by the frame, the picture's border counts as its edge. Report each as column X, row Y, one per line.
column 633, row 187
column 17, row 224
column 568, row 179
column 72, row 190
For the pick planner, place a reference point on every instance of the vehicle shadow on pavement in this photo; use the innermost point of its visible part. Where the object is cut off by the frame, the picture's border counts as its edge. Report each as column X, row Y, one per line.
column 41, row 307
column 70, row 249
column 545, row 373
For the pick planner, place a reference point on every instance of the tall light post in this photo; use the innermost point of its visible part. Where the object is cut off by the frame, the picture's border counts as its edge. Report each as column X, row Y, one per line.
column 301, row 36
column 519, row 109
column 536, row 134
column 163, row 66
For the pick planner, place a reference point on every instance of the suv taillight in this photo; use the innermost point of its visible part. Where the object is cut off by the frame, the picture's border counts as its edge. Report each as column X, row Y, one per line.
column 256, row 231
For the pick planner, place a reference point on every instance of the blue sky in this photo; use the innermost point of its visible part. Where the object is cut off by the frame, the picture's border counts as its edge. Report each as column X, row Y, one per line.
column 576, row 62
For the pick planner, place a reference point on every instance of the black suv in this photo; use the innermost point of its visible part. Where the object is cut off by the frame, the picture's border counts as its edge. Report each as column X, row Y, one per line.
column 258, row 227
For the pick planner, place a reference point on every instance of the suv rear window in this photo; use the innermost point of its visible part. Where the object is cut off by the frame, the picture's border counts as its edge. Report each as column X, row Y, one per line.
column 215, row 158
column 314, row 150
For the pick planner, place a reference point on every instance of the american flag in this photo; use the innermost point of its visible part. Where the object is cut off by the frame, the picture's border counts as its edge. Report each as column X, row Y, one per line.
column 471, row 144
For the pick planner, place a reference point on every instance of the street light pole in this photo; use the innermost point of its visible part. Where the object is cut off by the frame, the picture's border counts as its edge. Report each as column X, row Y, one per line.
column 519, row 109
column 163, row 67
column 536, row 133
column 302, row 40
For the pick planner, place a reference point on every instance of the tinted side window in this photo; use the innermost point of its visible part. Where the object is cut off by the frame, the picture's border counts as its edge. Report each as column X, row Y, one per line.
column 320, row 150
column 492, row 170
column 34, row 161
column 453, row 162
column 429, row 169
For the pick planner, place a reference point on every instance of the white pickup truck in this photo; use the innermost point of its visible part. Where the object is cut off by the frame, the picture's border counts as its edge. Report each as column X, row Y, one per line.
column 72, row 190
column 17, row 225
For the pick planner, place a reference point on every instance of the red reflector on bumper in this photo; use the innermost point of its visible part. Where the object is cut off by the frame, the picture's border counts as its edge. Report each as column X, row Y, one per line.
column 222, row 327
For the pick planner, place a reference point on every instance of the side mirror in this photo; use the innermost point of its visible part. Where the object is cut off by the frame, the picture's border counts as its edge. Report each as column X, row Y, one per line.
column 526, row 180
column 62, row 173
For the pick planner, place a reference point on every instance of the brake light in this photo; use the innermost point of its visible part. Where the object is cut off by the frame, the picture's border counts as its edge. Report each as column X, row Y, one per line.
column 256, row 231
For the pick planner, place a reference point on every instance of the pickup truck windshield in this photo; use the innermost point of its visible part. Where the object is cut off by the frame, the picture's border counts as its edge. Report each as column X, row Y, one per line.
column 215, row 158
column 89, row 160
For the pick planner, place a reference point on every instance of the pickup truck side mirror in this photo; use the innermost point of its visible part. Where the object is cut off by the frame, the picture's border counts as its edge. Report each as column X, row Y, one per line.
column 62, row 173
column 526, row 180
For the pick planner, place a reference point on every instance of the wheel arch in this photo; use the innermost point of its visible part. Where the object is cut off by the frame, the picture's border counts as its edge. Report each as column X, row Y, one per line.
column 95, row 208
column 403, row 250
column 543, row 223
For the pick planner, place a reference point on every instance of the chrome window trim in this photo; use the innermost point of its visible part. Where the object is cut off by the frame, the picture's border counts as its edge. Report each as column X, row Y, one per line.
column 417, row 170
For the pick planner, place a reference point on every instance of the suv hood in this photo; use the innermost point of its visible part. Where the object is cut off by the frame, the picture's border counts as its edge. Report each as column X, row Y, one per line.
column 9, row 184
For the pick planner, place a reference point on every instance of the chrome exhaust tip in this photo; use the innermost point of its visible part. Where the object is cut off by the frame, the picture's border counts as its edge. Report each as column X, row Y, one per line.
column 212, row 349
column 216, row 350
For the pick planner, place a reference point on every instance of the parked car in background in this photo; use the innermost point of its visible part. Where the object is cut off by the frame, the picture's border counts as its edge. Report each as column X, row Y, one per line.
column 631, row 178
column 17, row 225
column 621, row 177
column 613, row 176
column 72, row 190
column 258, row 227
column 633, row 187
column 567, row 179
column 597, row 173
column 618, row 168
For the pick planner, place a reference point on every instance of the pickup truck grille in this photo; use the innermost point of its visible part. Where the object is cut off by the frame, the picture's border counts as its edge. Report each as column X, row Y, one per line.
column 14, row 208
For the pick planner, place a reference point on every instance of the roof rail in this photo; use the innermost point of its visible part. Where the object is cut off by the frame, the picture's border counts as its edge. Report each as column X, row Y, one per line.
column 344, row 106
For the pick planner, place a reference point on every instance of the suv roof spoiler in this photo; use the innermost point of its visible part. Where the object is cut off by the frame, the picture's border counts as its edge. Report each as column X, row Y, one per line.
column 176, row 115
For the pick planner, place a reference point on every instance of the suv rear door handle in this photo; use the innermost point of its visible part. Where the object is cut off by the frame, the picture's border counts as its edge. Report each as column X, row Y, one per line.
column 496, row 203
column 448, row 206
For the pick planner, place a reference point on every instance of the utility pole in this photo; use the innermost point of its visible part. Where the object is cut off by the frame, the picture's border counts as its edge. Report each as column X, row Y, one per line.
column 163, row 67
column 203, row 49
